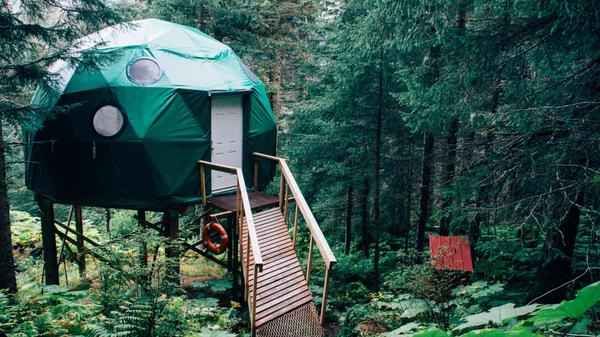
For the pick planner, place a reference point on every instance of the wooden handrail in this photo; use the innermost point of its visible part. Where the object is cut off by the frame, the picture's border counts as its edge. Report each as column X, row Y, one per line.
column 243, row 209
column 245, row 205
column 266, row 156
column 219, row 167
column 249, row 220
column 311, row 222
column 316, row 235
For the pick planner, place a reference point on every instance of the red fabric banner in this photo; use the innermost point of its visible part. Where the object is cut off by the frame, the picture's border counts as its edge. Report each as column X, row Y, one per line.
column 450, row 252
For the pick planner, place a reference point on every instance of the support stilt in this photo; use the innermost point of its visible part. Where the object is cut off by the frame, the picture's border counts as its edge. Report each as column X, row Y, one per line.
column 143, row 251
column 143, row 258
column 172, row 250
column 80, row 242
column 48, row 240
column 232, row 255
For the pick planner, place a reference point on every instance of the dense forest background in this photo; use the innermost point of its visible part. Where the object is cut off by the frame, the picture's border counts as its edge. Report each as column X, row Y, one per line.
column 401, row 119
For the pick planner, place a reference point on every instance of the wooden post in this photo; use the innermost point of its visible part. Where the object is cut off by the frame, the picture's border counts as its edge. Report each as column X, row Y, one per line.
column 325, row 288
column 203, row 183
column 48, row 240
column 143, row 251
column 309, row 264
column 80, row 242
column 230, row 234
column 296, row 215
column 281, row 187
column 254, row 297
column 234, row 253
column 143, row 254
column 286, row 207
column 107, row 213
column 255, row 175
column 172, row 250
column 240, row 224
column 247, row 263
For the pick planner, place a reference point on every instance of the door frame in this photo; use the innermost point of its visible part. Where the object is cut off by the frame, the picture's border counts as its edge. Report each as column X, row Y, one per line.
column 246, row 95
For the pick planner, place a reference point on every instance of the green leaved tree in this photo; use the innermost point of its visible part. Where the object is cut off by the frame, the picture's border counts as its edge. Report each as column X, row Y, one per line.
column 33, row 35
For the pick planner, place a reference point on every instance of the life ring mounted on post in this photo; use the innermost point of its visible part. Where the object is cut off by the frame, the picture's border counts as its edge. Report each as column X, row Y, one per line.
column 223, row 237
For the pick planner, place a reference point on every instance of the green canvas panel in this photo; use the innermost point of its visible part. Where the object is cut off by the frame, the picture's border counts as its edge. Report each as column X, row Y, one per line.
column 152, row 162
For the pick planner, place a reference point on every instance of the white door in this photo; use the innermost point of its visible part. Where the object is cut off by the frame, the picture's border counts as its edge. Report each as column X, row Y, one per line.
column 226, row 137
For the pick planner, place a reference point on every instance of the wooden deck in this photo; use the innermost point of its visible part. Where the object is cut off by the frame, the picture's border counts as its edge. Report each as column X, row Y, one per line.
column 258, row 201
column 281, row 285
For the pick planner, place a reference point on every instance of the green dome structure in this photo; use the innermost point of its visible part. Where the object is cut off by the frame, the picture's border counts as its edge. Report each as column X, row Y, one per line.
column 132, row 130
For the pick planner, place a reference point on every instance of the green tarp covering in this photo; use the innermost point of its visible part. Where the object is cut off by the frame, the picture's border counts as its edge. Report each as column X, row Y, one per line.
column 152, row 161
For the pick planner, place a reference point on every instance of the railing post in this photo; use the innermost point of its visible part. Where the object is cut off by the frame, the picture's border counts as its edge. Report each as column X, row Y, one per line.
column 310, row 257
column 254, row 286
column 247, row 262
column 295, row 226
column 255, row 175
column 286, row 207
column 281, row 187
column 324, row 300
column 240, row 224
column 203, row 184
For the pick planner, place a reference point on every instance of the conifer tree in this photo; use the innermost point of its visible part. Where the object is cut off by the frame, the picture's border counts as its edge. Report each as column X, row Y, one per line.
column 35, row 34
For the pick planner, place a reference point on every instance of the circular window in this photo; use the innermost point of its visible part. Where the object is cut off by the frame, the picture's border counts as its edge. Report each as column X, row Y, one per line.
column 144, row 71
column 108, row 121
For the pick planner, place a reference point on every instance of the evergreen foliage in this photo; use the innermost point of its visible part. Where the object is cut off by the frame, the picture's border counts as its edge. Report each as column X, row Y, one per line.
column 401, row 119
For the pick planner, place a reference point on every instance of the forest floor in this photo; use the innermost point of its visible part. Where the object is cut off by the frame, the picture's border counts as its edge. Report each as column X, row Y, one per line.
column 413, row 300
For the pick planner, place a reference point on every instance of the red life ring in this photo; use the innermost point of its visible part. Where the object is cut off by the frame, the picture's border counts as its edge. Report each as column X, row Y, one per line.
column 224, row 239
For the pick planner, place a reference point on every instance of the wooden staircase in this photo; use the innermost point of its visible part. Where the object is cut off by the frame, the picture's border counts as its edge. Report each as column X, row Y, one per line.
column 277, row 291
column 281, row 285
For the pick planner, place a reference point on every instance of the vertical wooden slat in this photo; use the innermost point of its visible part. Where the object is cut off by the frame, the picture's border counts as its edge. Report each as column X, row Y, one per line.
column 203, row 184
column 254, row 302
column 281, row 187
column 240, row 224
column 309, row 264
column 247, row 260
column 296, row 218
column 256, row 175
column 324, row 300
column 286, row 207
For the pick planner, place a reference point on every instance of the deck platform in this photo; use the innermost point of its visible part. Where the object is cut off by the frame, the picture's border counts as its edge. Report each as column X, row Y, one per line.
column 258, row 201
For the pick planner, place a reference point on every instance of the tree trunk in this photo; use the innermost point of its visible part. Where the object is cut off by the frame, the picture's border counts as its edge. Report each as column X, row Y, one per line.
column 474, row 228
column 348, row 232
column 364, row 218
column 451, row 142
column 7, row 265
column 377, row 178
column 448, row 175
column 276, row 85
column 408, row 195
column 276, row 72
column 426, row 170
column 555, row 269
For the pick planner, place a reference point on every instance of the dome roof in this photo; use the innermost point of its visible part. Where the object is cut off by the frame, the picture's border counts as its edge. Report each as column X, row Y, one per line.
column 187, row 58
column 131, row 129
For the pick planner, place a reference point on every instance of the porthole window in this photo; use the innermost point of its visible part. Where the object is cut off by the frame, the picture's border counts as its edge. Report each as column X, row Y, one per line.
column 144, row 71
column 108, row 121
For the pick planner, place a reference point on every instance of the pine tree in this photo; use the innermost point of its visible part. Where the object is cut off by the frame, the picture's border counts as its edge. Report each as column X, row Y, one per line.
column 35, row 34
